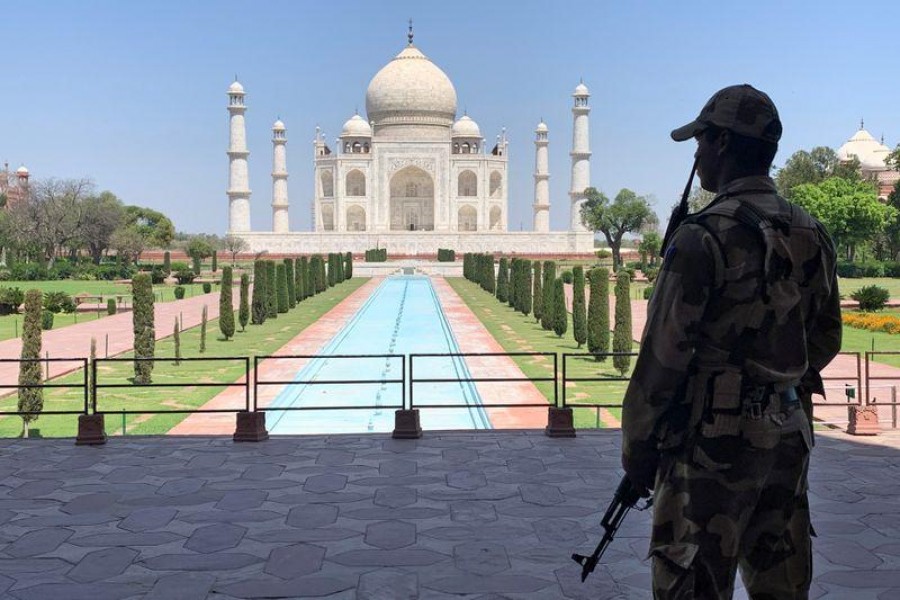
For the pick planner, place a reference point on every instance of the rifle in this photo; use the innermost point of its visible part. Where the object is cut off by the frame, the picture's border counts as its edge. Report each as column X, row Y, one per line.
column 679, row 212
column 625, row 498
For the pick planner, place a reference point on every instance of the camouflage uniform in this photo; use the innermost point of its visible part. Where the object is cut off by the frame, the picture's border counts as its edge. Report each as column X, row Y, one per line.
column 741, row 316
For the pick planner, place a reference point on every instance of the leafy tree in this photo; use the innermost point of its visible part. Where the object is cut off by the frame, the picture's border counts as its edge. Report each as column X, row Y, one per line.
column 199, row 248
column 598, row 314
column 892, row 228
column 203, row 320
column 627, row 213
column 129, row 243
column 167, row 262
column 271, row 290
column 649, row 247
column 579, row 314
column 155, row 227
column 622, row 340
column 226, row 305
column 282, row 288
column 560, row 315
column 502, row 279
column 176, row 339
column 291, row 282
column 244, row 310
column 849, row 210
column 215, row 261
column 197, row 267
column 102, row 215
column 144, row 329
column 31, row 399
column 234, row 245
column 699, row 199
column 258, row 309
column 893, row 159
column 814, row 166
column 547, row 312
column 537, row 291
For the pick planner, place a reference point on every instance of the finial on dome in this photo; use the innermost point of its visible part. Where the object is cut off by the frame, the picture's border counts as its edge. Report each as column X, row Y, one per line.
column 409, row 35
column 862, row 124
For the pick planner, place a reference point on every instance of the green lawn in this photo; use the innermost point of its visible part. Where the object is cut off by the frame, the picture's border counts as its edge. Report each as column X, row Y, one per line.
column 11, row 325
column 891, row 284
column 862, row 340
column 257, row 340
column 518, row 333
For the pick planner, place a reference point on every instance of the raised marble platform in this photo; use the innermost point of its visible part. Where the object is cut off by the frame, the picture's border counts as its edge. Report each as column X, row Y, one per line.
column 465, row 516
column 412, row 243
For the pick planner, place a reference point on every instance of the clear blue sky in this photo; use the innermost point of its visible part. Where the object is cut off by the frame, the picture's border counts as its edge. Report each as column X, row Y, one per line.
column 132, row 94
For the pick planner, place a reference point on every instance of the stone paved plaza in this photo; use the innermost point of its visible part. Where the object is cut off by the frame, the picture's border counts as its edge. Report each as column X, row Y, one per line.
column 456, row 515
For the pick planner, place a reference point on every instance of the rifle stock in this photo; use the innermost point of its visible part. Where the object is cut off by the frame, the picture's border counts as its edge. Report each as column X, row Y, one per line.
column 679, row 212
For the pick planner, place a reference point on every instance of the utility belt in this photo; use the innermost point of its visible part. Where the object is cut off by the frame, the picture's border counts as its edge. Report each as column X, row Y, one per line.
column 769, row 398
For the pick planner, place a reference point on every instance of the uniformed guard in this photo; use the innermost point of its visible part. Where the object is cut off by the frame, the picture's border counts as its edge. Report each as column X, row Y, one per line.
column 717, row 416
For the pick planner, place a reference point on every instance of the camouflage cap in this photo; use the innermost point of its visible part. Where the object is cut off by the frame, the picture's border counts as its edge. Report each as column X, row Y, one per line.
column 742, row 109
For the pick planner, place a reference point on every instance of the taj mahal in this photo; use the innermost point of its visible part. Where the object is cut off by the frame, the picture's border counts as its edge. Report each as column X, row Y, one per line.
column 411, row 176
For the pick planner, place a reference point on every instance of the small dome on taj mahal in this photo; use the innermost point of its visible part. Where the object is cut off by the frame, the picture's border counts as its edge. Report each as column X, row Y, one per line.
column 356, row 126
column 581, row 90
column 278, row 125
column 465, row 127
column 235, row 88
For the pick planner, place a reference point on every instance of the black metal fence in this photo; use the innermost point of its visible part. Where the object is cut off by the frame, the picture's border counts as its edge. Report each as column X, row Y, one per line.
column 463, row 367
column 83, row 385
column 257, row 381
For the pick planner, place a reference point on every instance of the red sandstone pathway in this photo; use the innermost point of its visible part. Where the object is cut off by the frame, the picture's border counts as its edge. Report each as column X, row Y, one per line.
column 74, row 341
column 472, row 336
column 309, row 341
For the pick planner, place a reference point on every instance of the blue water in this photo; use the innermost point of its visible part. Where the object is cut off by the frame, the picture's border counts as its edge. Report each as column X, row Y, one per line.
column 403, row 316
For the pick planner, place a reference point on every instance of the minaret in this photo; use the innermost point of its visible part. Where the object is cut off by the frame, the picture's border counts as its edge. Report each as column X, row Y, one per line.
column 541, row 204
column 279, row 179
column 238, row 176
column 581, row 155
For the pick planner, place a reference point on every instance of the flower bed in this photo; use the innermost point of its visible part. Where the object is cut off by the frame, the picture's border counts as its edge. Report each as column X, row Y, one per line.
column 873, row 322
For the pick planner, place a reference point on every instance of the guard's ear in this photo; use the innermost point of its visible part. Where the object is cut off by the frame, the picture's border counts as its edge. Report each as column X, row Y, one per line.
column 723, row 141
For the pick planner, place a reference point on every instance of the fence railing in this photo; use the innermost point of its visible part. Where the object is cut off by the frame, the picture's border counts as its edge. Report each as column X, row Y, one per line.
column 462, row 366
column 258, row 381
column 83, row 385
column 96, row 387
column 567, row 377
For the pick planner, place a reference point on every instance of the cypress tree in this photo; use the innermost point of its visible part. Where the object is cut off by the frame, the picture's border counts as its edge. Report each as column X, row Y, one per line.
column 203, row 330
column 271, row 290
column 167, row 262
column 339, row 263
column 526, row 287
column 538, row 291
column 491, row 280
column 304, row 278
column 321, row 276
column 332, row 270
column 513, row 284
column 502, row 280
column 282, row 288
column 196, row 265
column 622, row 340
column 291, row 281
column 560, row 316
column 176, row 339
column 31, row 399
column 598, row 314
column 215, row 262
column 547, row 317
column 142, row 323
column 244, row 310
column 226, row 304
column 348, row 266
column 579, row 314
column 258, row 310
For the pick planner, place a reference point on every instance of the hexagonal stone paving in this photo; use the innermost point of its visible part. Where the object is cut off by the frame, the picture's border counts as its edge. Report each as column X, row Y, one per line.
column 296, row 560
column 395, row 497
column 312, row 515
column 390, row 535
column 388, row 584
column 102, row 564
column 481, row 558
column 38, row 542
column 146, row 519
column 325, row 483
column 215, row 538
column 466, row 480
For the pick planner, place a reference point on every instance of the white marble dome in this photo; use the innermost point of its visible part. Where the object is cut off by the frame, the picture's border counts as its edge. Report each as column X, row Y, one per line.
column 870, row 152
column 356, row 126
column 278, row 125
column 22, row 171
column 465, row 127
column 541, row 128
column 411, row 90
column 235, row 88
column 581, row 90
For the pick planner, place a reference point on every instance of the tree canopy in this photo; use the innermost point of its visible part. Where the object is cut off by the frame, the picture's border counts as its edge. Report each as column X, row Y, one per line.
column 156, row 228
column 813, row 166
column 627, row 213
column 849, row 209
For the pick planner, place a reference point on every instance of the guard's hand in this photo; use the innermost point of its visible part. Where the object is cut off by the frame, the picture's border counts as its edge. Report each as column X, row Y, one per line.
column 641, row 474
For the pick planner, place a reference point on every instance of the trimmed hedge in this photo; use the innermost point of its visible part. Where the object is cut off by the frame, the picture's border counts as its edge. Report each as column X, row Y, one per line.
column 376, row 255
column 446, row 255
